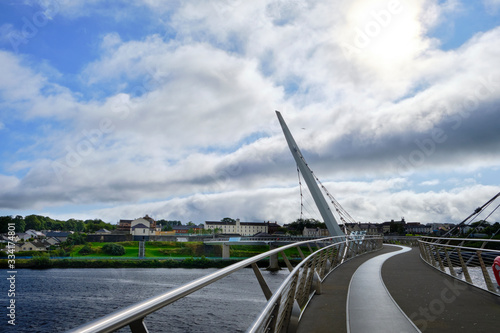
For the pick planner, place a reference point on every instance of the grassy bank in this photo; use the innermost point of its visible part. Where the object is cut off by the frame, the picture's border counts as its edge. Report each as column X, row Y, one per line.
column 46, row 263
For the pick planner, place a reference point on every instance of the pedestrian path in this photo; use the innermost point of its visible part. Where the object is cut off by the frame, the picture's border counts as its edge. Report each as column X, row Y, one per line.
column 370, row 307
column 435, row 302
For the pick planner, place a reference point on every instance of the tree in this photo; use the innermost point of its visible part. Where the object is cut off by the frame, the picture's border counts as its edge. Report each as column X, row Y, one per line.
column 4, row 223
column 297, row 227
column 228, row 220
column 113, row 249
column 85, row 250
column 33, row 222
column 168, row 223
column 76, row 239
column 20, row 223
column 79, row 226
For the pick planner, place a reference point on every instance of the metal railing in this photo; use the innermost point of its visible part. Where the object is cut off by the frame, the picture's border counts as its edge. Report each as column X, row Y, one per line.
column 411, row 241
column 283, row 309
column 466, row 259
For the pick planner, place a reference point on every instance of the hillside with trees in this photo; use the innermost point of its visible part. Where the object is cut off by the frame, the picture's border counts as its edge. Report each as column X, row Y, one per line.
column 38, row 222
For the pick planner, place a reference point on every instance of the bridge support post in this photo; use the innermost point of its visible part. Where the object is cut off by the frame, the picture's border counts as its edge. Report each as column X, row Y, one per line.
column 273, row 259
column 225, row 251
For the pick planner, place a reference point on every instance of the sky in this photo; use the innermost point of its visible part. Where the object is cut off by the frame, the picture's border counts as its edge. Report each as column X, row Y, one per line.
column 167, row 108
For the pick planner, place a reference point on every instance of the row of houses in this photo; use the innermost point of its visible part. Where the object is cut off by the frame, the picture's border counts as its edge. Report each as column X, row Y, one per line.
column 33, row 240
column 393, row 227
column 144, row 227
column 55, row 236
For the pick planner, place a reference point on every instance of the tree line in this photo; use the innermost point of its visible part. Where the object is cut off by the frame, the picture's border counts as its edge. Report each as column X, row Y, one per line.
column 38, row 222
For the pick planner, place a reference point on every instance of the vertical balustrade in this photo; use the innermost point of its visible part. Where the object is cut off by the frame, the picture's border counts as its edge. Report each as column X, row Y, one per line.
column 486, row 276
column 450, row 265
column 465, row 271
column 469, row 257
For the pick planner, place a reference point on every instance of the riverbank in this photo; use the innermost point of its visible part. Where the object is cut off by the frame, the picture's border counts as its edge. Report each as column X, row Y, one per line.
column 157, row 255
column 45, row 263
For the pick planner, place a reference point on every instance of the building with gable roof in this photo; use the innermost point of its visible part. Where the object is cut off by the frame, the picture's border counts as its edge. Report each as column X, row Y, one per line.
column 237, row 227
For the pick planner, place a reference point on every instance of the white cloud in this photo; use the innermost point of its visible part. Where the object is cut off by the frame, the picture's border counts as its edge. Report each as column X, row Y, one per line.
column 189, row 124
column 432, row 182
column 493, row 5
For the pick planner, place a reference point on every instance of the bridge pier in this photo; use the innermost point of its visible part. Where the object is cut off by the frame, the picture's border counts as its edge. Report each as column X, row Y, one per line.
column 225, row 251
column 273, row 259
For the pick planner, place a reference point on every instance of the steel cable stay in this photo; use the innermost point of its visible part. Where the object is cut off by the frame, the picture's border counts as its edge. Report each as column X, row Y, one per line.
column 485, row 220
column 473, row 216
column 343, row 215
column 447, row 256
column 305, row 204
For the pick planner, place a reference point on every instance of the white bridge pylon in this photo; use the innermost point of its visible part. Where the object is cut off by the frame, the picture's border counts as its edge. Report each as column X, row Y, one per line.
column 319, row 199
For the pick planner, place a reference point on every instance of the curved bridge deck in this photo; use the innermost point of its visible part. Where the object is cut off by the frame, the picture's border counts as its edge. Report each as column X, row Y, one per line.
column 433, row 301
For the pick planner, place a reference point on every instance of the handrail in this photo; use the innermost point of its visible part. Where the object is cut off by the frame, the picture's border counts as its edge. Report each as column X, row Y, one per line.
column 469, row 264
column 267, row 309
column 140, row 310
column 284, row 309
column 462, row 239
column 134, row 315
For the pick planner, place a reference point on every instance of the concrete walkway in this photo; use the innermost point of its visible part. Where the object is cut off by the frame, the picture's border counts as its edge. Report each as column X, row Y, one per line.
column 327, row 312
column 370, row 307
column 436, row 303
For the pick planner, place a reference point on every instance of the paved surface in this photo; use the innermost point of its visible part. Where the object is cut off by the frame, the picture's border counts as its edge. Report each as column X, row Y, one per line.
column 327, row 312
column 434, row 301
column 370, row 307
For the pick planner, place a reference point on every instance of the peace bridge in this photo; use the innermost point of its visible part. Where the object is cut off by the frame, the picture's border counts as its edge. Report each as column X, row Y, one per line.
column 355, row 283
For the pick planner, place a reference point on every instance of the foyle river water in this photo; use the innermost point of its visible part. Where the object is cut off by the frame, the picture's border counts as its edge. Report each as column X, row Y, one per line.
column 56, row 300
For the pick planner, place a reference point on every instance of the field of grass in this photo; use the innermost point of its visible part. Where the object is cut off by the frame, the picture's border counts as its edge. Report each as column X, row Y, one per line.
column 131, row 250
column 178, row 250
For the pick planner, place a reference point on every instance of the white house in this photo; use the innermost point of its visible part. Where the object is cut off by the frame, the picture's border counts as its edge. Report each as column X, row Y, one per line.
column 315, row 232
column 35, row 245
column 52, row 240
column 34, row 233
column 237, row 227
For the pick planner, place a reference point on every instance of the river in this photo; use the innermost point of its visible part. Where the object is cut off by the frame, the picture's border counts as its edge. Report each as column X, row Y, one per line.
column 56, row 300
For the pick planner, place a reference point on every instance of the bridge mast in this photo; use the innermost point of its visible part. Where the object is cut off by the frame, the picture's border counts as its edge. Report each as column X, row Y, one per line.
column 307, row 174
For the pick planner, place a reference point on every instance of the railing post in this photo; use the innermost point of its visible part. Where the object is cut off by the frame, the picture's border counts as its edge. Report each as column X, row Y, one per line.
column 302, row 292
column 441, row 265
column 138, row 326
column 338, row 255
column 486, row 276
column 450, row 265
column 263, row 285
column 424, row 252
column 286, row 322
column 274, row 315
column 464, row 267
column 301, row 253
column 287, row 262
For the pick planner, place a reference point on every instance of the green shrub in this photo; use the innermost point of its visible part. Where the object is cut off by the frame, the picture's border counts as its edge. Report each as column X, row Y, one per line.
column 41, row 260
column 59, row 253
column 85, row 250
column 113, row 249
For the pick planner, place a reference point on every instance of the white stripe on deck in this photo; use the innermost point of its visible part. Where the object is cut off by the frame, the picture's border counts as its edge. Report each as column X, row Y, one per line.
column 370, row 307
